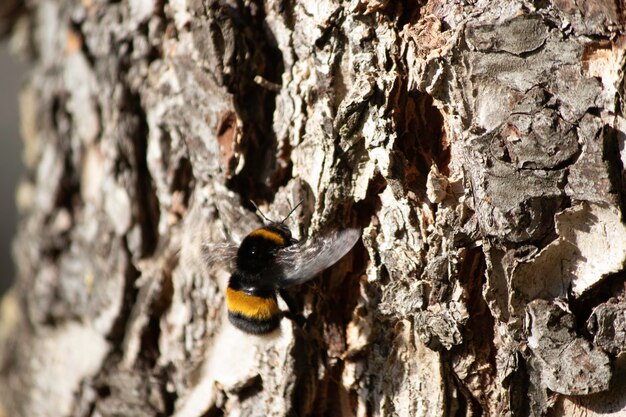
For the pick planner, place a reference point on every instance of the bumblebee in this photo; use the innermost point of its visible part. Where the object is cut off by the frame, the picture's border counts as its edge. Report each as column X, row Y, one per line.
column 269, row 260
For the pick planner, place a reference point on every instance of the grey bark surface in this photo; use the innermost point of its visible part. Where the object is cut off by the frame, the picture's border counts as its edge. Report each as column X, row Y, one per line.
column 479, row 146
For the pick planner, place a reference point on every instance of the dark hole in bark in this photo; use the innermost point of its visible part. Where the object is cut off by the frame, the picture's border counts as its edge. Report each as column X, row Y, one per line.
column 183, row 180
column 518, row 384
column 67, row 197
column 401, row 12
column 214, row 411
column 69, row 187
column 421, row 142
column 616, row 171
column 103, row 391
column 251, row 388
column 146, row 204
column 385, row 277
column 169, row 396
column 582, row 307
column 478, row 331
column 329, row 400
column 462, row 402
column 305, row 353
column 258, row 68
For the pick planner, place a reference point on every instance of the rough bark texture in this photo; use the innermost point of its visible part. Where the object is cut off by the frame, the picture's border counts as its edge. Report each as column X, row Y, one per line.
column 480, row 146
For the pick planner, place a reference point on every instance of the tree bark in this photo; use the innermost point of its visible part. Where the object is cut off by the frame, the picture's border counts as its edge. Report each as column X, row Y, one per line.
column 479, row 145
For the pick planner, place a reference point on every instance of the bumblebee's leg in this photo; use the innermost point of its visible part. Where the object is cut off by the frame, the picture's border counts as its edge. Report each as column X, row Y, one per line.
column 293, row 314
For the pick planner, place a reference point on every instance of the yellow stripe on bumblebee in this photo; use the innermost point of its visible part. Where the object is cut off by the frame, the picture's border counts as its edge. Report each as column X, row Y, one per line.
column 269, row 235
column 259, row 308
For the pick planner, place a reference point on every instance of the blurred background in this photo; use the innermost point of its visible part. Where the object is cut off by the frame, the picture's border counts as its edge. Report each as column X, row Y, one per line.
column 12, row 74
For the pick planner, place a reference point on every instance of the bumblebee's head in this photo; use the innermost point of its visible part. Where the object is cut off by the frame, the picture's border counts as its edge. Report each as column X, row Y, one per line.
column 258, row 249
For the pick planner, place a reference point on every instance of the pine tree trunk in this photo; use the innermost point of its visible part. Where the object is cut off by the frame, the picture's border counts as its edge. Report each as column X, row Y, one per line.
column 479, row 146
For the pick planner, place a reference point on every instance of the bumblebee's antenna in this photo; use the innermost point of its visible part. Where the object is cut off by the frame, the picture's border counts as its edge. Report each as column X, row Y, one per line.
column 261, row 213
column 292, row 210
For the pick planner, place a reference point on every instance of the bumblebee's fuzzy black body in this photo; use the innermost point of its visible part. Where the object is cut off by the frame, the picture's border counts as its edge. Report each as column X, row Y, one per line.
column 252, row 307
column 258, row 250
column 267, row 261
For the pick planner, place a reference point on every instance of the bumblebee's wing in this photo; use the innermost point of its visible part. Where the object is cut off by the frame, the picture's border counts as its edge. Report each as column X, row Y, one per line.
column 222, row 254
column 300, row 262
